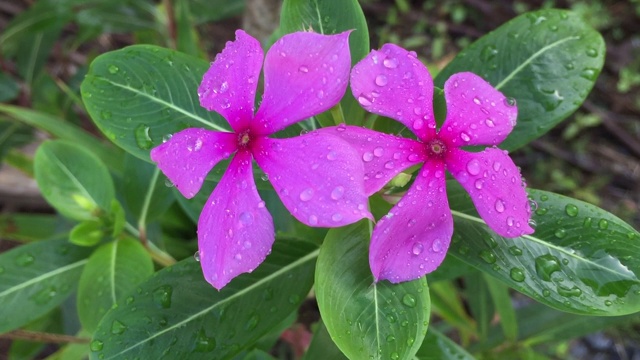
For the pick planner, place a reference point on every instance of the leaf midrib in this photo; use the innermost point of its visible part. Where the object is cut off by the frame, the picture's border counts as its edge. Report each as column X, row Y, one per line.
column 164, row 103
column 309, row 257
column 541, row 241
column 43, row 277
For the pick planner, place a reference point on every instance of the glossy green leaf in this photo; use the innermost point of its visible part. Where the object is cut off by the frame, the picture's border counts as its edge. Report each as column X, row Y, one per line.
column 66, row 131
column 548, row 60
column 180, row 310
column 73, row 180
column 37, row 277
column 581, row 259
column 143, row 190
column 87, row 233
column 437, row 346
column 141, row 94
column 32, row 227
column 331, row 17
column 113, row 271
column 322, row 347
column 366, row 319
column 28, row 350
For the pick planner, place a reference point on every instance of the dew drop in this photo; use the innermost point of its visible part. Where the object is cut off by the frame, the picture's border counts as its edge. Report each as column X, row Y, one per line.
column 546, row 265
column 332, row 155
column 437, row 245
column 409, row 300
column 336, row 217
column 381, row 80
column 117, row 327
column 464, row 136
column 143, row 138
column 390, row 63
column 306, row 194
column 473, row 167
column 510, row 101
column 476, row 101
column 313, row 220
column 378, row 151
column 303, row 69
column 489, row 123
column 113, row 69
column 479, row 184
column 488, row 256
column 367, row 156
column 337, row 193
column 196, row 256
column 603, row 224
column 364, row 101
column 246, row 218
column 96, row 345
column 417, row 248
column 389, row 165
column 515, row 251
column 499, row 206
column 418, row 124
column 517, row 274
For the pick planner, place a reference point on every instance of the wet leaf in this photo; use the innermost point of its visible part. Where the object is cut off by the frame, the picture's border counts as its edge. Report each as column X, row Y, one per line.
column 37, row 277
column 180, row 311
column 547, row 60
column 367, row 319
column 581, row 259
column 113, row 271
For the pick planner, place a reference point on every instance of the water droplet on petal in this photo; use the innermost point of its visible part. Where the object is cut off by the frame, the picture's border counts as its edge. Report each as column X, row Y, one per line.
column 313, row 220
column 196, row 256
column 364, row 101
column 479, row 184
column 337, row 192
column 303, row 69
column 381, row 80
column 306, row 194
column 332, row 155
column 489, row 122
column 476, row 101
column 510, row 102
column 437, row 245
column 246, row 218
column 336, row 217
column 417, row 248
column 473, row 167
column 464, row 136
column 367, row 156
column 378, row 151
column 390, row 63
column 499, row 206
column 418, row 124
column 389, row 165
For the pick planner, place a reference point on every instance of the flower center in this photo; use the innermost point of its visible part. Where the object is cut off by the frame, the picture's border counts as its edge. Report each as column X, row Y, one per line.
column 436, row 148
column 243, row 139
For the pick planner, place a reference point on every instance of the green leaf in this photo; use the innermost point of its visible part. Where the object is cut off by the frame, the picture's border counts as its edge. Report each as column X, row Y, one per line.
column 179, row 309
column 37, row 277
column 9, row 88
column 187, row 40
column 87, row 233
column 139, row 95
column 366, row 319
column 581, row 259
column 502, row 301
column 322, row 347
column 32, row 227
column 66, row 131
column 446, row 303
column 143, row 190
column 547, row 60
column 73, row 180
column 214, row 10
column 437, row 346
column 331, row 17
column 12, row 135
column 113, row 271
column 27, row 350
column 479, row 302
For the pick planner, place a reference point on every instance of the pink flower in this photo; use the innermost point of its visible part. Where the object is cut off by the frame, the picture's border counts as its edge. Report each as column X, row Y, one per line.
column 314, row 174
column 413, row 238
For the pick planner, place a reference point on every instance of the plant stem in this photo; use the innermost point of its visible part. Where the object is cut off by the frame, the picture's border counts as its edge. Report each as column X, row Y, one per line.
column 43, row 337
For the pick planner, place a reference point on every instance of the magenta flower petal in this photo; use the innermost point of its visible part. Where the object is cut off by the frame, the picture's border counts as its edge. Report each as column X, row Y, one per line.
column 477, row 113
column 189, row 155
column 392, row 82
column 235, row 230
column 412, row 240
column 318, row 177
column 304, row 74
column 229, row 86
column 384, row 156
column 494, row 183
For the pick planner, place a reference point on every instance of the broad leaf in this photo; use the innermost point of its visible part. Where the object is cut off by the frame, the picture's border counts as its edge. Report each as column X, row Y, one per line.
column 366, row 319
column 581, row 259
column 547, row 60
column 66, row 131
column 141, row 94
column 37, row 277
column 32, row 227
column 12, row 135
column 143, row 189
column 178, row 309
column 331, row 17
column 113, row 271
column 437, row 346
column 73, row 180
column 322, row 347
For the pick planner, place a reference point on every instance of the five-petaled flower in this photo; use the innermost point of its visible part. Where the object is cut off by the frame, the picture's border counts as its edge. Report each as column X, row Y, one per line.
column 318, row 176
column 412, row 239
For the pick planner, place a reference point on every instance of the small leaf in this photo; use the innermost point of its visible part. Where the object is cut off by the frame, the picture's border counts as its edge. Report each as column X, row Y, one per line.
column 37, row 277
column 179, row 309
column 382, row 320
column 112, row 272
column 73, row 180
column 141, row 94
column 87, row 233
column 581, row 259
column 548, row 60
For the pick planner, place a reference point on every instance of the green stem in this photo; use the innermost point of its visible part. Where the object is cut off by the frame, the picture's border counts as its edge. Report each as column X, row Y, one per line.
column 156, row 253
column 338, row 115
column 142, row 222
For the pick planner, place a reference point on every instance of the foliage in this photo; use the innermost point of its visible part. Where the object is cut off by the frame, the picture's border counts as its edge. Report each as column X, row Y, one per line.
column 120, row 240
